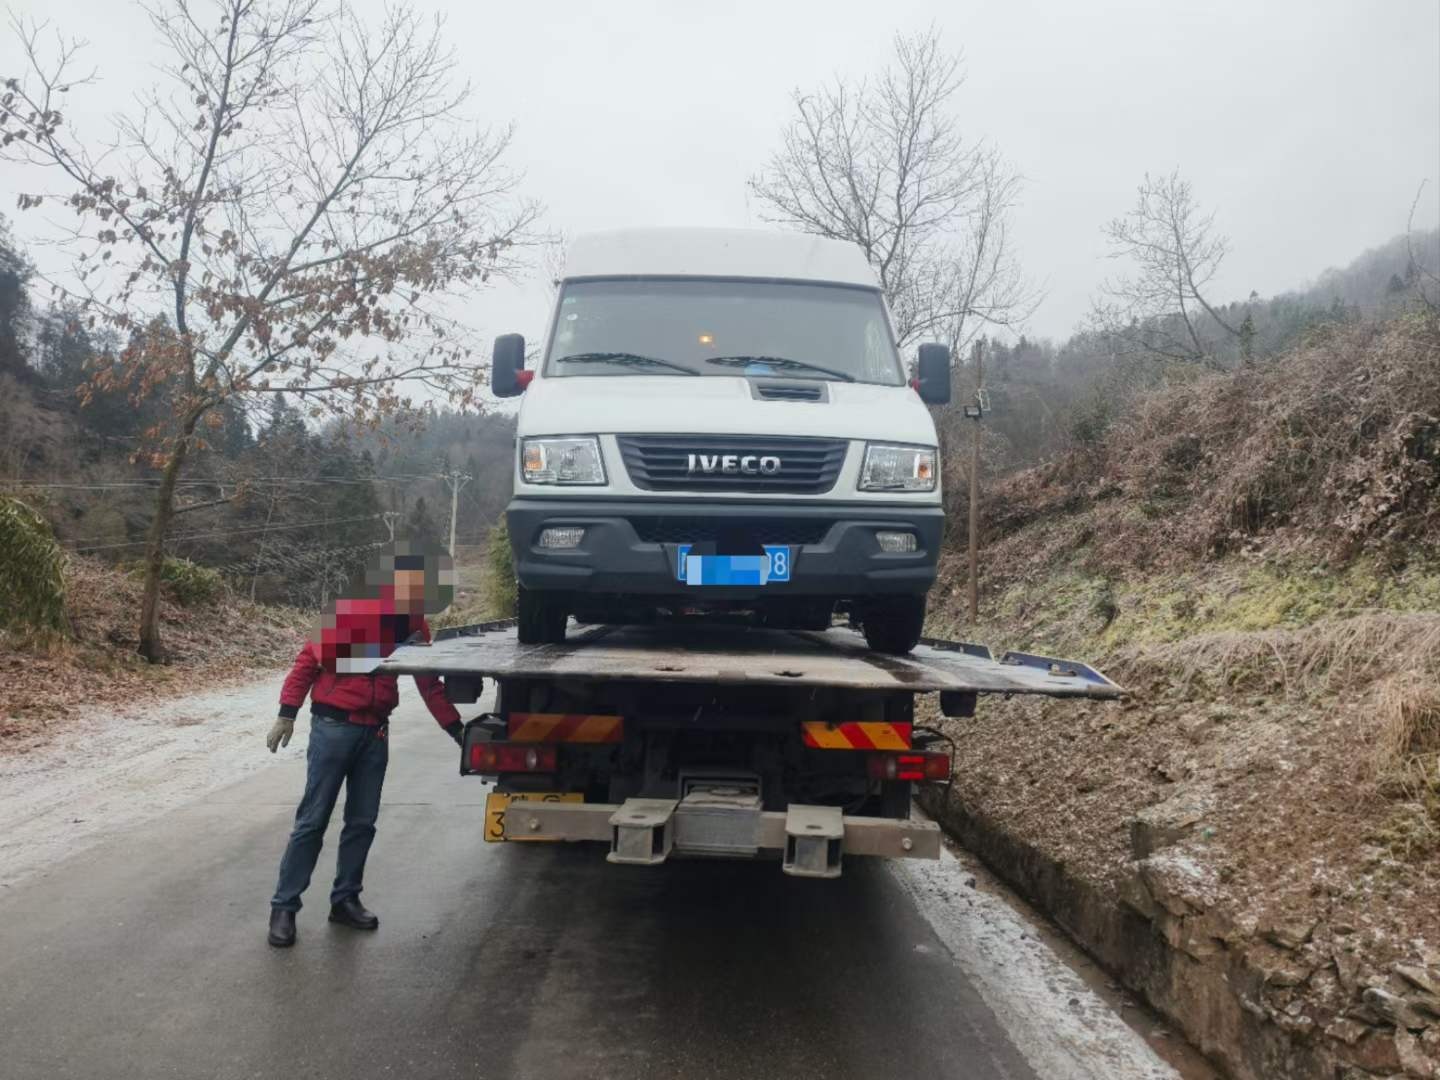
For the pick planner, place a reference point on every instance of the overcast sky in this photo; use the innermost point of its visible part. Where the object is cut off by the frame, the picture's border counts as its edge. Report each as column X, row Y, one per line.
column 1305, row 124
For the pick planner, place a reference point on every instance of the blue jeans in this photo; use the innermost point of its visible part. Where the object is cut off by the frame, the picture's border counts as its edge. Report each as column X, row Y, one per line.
column 339, row 752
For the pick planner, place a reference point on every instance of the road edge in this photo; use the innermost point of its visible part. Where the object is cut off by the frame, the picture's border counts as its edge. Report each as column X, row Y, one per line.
column 1177, row 962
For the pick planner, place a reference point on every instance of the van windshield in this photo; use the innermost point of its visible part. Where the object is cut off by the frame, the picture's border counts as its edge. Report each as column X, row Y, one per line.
column 683, row 327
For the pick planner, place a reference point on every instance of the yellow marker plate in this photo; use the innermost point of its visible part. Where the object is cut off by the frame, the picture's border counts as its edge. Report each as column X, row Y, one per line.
column 497, row 802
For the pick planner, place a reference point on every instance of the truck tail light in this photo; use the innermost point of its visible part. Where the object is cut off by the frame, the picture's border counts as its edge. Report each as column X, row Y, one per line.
column 908, row 766
column 502, row 757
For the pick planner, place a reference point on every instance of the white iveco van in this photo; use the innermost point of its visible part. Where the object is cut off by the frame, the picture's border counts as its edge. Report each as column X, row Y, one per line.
column 720, row 421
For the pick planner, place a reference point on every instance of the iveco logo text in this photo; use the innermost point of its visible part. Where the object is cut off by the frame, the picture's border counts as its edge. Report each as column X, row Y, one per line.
column 748, row 464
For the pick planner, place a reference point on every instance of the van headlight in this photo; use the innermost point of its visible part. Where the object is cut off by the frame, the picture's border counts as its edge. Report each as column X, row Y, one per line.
column 898, row 468
column 574, row 459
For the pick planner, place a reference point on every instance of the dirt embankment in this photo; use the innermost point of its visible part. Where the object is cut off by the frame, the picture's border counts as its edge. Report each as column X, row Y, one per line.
column 44, row 682
column 1252, row 841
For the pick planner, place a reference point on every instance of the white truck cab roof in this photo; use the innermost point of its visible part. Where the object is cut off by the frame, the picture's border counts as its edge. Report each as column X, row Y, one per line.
column 717, row 253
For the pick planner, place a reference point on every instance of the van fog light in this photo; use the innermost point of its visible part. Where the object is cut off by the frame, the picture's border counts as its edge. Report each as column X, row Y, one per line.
column 568, row 536
column 896, row 542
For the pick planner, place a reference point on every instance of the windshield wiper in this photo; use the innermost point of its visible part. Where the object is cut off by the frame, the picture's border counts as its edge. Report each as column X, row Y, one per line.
column 624, row 359
column 784, row 363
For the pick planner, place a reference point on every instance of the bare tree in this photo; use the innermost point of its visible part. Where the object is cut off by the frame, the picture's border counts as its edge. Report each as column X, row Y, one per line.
column 1424, row 281
column 886, row 165
column 1161, row 310
column 294, row 209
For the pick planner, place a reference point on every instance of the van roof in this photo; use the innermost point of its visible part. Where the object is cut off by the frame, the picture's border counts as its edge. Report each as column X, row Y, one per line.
column 730, row 253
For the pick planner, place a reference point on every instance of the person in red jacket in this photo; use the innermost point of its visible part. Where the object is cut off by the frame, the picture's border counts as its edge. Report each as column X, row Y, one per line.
column 349, row 723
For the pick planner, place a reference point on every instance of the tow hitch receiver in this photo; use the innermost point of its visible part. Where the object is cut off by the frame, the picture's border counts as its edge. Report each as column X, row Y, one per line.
column 643, row 832
column 814, row 837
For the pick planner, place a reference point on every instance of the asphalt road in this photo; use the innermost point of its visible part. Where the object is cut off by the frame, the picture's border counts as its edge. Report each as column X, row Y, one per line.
column 144, row 956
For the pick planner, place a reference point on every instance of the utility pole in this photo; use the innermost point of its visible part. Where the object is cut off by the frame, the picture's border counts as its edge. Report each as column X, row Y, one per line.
column 260, row 551
column 456, row 480
column 976, row 412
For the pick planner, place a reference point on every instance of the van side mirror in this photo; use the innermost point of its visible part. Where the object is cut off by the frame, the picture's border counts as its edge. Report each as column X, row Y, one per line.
column 934, row 374
column 506, row 363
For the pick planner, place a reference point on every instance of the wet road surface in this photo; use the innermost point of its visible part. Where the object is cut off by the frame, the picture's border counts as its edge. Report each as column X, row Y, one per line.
column 144, row 956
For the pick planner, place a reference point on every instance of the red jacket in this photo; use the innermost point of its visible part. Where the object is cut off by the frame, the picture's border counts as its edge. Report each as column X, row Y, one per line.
column 360, row 629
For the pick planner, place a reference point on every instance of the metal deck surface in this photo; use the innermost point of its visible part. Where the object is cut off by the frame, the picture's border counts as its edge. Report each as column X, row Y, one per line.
column 731, row 654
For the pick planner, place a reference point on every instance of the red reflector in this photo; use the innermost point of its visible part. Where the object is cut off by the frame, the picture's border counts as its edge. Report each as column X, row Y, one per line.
column 500, row 757
column 926, row 766
column 523, row 378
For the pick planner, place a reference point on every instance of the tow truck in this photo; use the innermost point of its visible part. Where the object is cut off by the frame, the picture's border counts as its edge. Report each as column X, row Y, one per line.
column 715, row 740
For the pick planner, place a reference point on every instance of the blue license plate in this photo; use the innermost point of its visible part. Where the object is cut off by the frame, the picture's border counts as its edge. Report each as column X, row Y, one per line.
column 765, row 569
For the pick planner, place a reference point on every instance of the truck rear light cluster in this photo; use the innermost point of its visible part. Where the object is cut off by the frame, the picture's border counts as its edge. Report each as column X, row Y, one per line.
column 908, row 766
column 502, row 757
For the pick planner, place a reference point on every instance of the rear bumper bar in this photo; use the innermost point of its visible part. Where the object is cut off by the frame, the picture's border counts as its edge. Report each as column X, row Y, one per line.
column 648, row 831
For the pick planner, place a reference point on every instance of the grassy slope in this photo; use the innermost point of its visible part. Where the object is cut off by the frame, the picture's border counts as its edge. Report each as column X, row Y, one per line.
column 1255, row 558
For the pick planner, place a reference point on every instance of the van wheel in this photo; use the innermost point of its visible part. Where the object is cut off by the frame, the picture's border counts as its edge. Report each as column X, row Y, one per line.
column 894, row 624
column 542, row 617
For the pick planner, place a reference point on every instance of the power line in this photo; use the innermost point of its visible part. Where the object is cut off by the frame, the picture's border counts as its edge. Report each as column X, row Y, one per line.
column 231, row 532
column 152, row 484
column 389, row 478
column 309, row 559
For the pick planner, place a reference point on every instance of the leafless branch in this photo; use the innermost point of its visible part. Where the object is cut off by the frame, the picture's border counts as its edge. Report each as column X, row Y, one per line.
column 1425, row 279
column 1177, row 253
column 886, row 165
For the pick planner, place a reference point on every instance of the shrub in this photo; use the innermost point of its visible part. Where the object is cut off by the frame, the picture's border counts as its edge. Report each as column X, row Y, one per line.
column 32, row 581
column 500, row 589
column 1091, row 420
column 190, row 584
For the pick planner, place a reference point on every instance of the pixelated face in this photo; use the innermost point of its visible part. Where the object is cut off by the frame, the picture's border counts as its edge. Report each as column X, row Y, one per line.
column 417, row 581
column 409, row 588
column 420, row 581
column 423, row 582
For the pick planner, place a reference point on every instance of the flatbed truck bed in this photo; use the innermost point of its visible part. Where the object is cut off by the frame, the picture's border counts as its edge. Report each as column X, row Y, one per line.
column 719, row 740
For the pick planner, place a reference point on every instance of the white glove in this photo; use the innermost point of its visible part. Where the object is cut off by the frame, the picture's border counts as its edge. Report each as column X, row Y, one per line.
column 280, row 733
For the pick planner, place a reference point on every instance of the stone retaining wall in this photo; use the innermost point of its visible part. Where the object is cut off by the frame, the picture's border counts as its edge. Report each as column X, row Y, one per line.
column 1262, row 1003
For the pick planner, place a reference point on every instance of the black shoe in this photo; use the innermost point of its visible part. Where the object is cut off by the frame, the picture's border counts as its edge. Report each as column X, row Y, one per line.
column 282, row 928
column 350, row 912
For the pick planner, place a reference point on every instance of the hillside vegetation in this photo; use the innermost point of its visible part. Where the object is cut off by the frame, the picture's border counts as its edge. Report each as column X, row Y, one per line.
column 80, row 657
column 1256, row 557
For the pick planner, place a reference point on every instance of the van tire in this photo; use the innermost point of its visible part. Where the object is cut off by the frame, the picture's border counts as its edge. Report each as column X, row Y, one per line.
column 541, row 617
column 894, row 624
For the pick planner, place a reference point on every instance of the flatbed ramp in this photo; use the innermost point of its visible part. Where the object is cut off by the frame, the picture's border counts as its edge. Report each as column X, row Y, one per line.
column 697, row 653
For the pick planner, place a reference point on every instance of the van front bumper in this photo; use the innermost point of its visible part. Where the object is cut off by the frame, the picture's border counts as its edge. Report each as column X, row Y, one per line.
column 631, row 546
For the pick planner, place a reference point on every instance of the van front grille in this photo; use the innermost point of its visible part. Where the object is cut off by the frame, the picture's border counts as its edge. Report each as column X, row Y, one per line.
column 738, row 463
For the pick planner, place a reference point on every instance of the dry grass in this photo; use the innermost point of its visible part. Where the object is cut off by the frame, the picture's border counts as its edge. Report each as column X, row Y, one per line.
column 49, row 680
column 1336, row 442
column 1406, row 756
column 1334, row 656
column 1385, row 668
